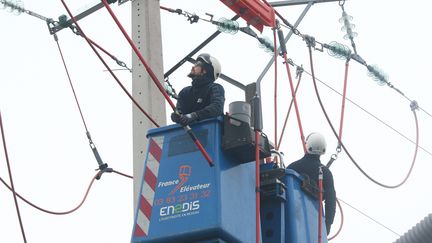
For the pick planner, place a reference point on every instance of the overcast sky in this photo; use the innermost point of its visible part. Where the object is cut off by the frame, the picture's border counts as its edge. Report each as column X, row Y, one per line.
column 52, row 163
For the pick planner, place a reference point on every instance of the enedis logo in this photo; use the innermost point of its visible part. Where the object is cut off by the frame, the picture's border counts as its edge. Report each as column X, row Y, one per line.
column 179, row 208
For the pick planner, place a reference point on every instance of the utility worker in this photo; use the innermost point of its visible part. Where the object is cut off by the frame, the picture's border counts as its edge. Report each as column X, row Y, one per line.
column 204, row 98
column 310, row 164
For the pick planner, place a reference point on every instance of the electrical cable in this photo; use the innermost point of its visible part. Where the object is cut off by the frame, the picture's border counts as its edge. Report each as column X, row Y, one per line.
column 103, row 167
column 71, row 85
column 168, row 9
column 111, row 72
column 369, row 113
column 120, row 63
column 192, row 18
column 338, row 147
column 427, row 113
column 358, row 58
column 374, row 72
column 11, row 180
column 189, row 58
column 19, row 8
column 343, row 100
column 77, row 32
column 299, row 74
column 122, row 174
column 293, row 29
column 293, row 94
column 131, row 177
column 339, row 134
column 341, row 223
column 194, row 51
column 52, row 212
column 369, row 217
column 187, row 128
column 62, row 212
column 343, row 146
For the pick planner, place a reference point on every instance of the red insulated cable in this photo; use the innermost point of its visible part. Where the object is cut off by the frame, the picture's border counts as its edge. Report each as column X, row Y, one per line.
column 156, row 81
column 343, row 99
column 291, row 84
column 138, row 53
column 342, row 221
column 52, row 212
column 346, row 150
column 107, row 67
column 167, row 9
column 293, row 94
column 102, row 49
column 68, row 211
column 287, row 115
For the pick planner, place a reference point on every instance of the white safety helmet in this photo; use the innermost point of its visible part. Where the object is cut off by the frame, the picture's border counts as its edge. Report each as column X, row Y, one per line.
column 213, row 62
column 316, row 144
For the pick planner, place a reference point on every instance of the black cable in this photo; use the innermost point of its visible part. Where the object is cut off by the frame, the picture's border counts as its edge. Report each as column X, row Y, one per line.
column 343, row 146
column 367, row 112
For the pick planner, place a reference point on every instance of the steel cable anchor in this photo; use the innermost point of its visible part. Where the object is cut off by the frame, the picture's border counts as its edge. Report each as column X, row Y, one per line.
column 103, row 167
column 334, row 157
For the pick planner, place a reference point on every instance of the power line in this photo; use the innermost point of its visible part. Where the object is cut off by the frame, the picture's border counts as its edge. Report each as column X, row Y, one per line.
column 11, row 181
column 369, row 217
column 413, row 107
column 370, row 114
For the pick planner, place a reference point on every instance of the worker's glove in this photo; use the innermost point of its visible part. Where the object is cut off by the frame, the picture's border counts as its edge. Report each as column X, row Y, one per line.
column 175, row 117
column 188, row 118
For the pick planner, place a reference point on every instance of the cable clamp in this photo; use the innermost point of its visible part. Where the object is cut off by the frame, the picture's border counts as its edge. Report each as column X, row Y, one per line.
column 334, row 156
column 192, row 18
column 299, row 70
column 338, row 148
column 414, row 105
column 102, row 169
column 310, row 40
column 122, row 64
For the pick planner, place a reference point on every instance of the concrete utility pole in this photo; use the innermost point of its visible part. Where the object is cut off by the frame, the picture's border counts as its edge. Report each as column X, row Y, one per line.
column 146, row 34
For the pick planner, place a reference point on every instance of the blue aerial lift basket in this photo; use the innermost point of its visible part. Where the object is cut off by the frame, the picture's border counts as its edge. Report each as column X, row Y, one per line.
column 183, row 199
column 288, row 213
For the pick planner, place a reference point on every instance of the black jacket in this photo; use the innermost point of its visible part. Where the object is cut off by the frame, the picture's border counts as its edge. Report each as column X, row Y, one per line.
column 204, row 97
column 309, row 165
